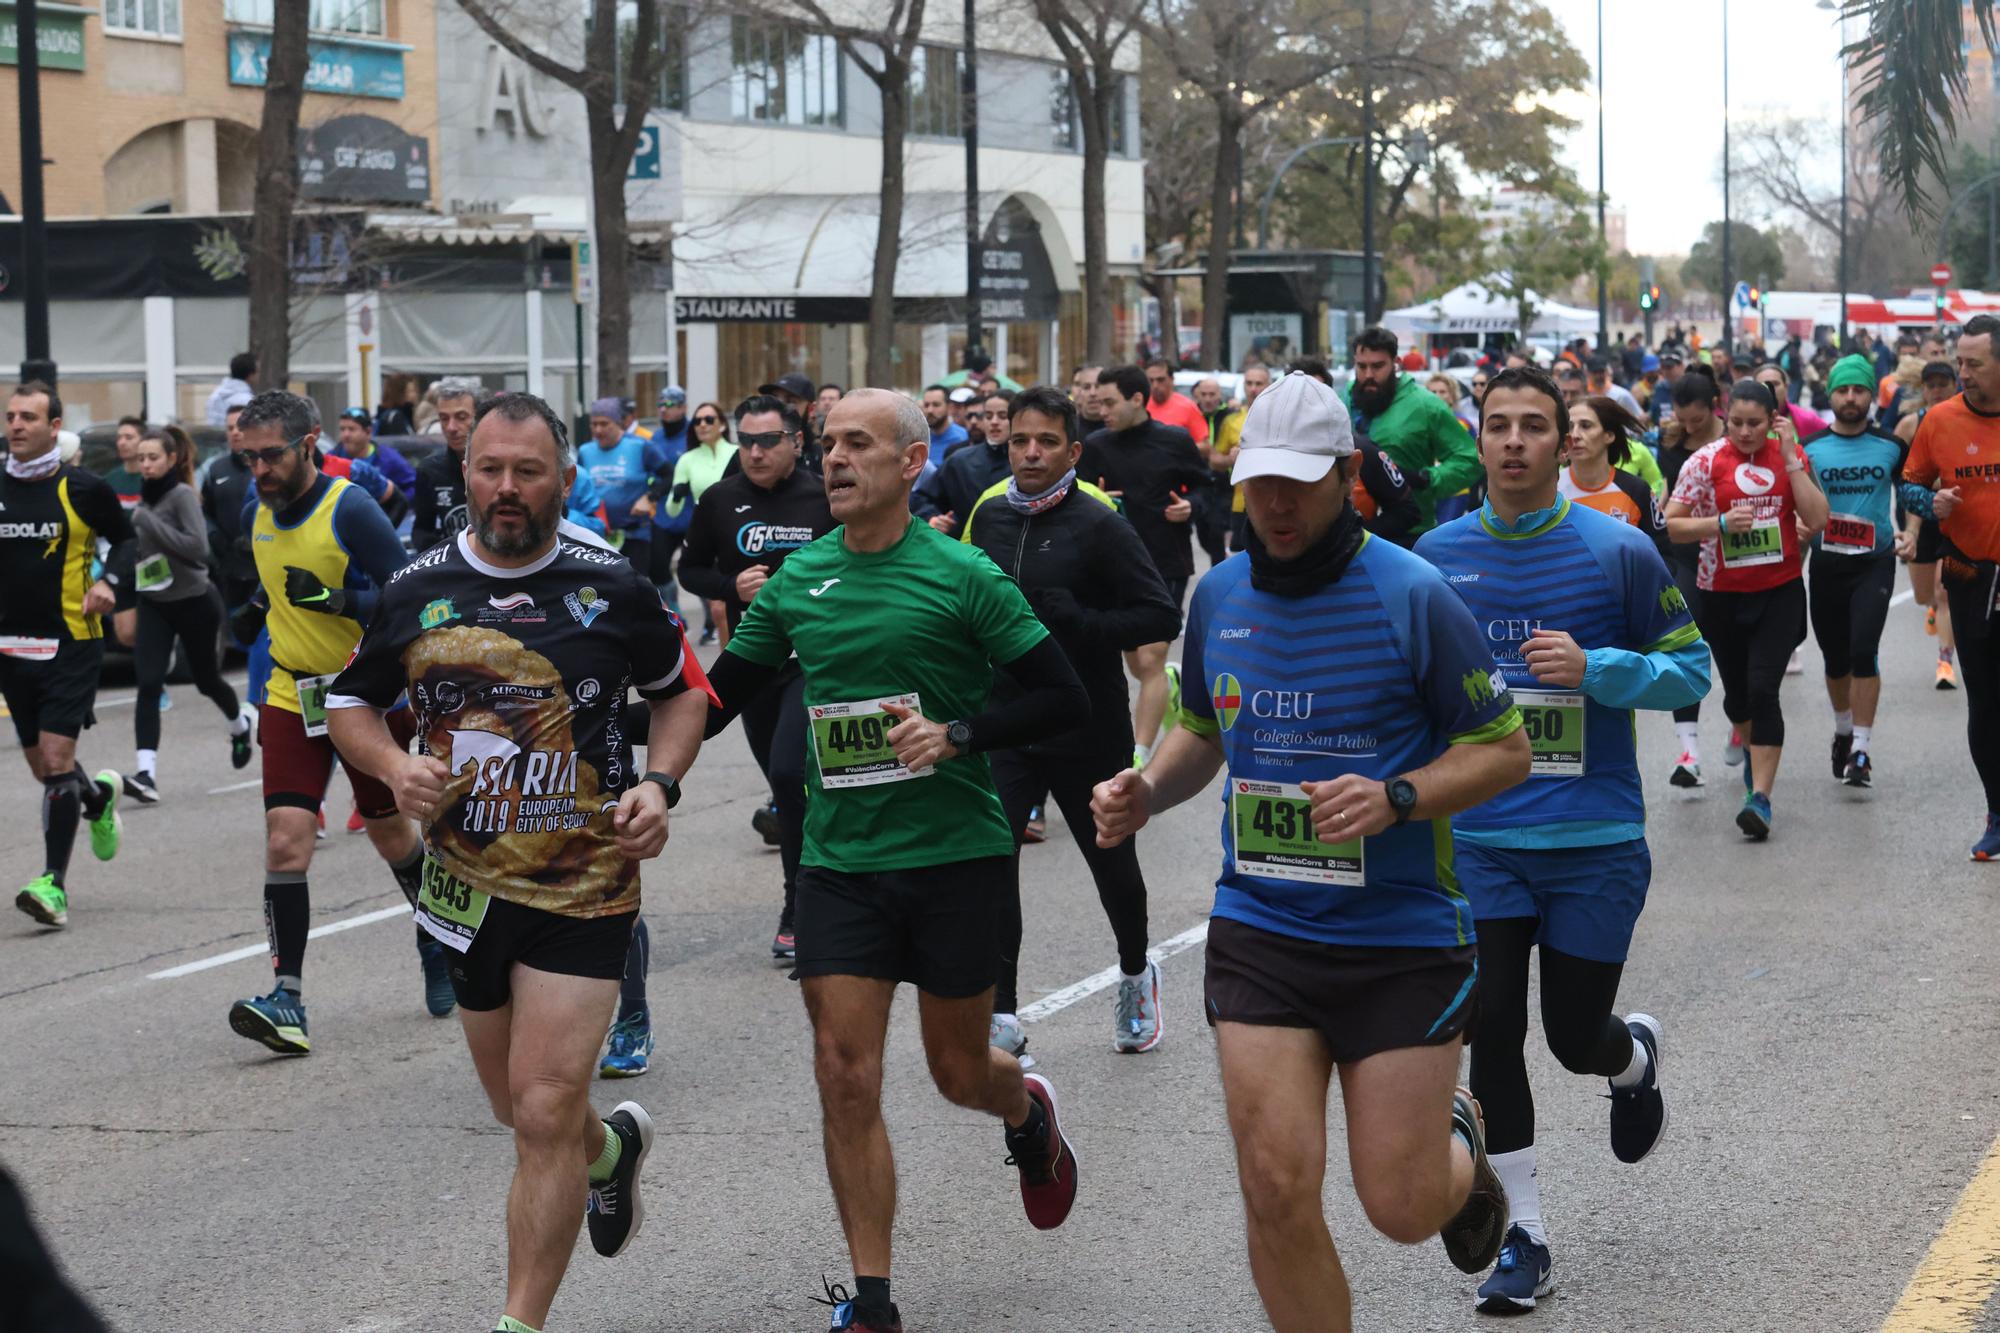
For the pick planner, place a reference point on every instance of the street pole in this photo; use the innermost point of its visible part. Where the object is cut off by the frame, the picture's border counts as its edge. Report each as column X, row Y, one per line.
column 1367, row 166
column 37, row 364
column 1604, row 257
column 970, row 115
column 1728, row 264
column 1843, row 204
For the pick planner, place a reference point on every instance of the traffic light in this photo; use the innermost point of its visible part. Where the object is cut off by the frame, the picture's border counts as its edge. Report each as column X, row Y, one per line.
column 1647, row 295
column 1653, row 296
column 1756, row 296
column 1938, row 297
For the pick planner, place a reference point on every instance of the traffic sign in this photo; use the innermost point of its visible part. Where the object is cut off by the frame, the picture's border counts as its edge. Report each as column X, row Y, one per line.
column 1742, row 296
column 645, row 164
column 1941, row 276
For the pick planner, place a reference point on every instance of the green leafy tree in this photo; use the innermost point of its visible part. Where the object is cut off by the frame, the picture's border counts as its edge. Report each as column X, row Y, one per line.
column 1756, row 257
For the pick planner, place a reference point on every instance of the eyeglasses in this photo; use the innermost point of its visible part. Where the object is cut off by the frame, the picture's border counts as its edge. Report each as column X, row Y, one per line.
column 708, row 419
column 770, row 439
column 268, row 457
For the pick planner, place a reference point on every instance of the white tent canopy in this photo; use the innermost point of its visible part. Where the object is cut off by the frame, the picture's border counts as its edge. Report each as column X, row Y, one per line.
column 1471, row 308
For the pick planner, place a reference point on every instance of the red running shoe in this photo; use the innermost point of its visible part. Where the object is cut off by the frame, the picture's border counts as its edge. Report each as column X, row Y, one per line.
column 1046, row 1161
column 354, row 824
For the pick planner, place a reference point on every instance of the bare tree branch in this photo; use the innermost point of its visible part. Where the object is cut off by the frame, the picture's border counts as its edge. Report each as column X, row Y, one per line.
column 520, row 50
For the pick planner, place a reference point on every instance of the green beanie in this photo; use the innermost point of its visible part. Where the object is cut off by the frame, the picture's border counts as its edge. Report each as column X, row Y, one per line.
column 1849, row 370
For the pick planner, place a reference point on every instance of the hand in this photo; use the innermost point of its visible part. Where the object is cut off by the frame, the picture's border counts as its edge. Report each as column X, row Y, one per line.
column 1906, row 547
column 682, row 493
column 1554, row 658
column 1782, row 427
column 1121, row 807
column 246, row 622
column 750, row 580
column 304, row 590
column 419, row 783
column 641, row 822
column 919, row 742
column 1349, row 807
column 1741, row 518
column 643, row 507
column 1944, row 501
column 1179, row 510
column 100, row 599
column 945, row 523
column 369, row 478
column 1418, row 477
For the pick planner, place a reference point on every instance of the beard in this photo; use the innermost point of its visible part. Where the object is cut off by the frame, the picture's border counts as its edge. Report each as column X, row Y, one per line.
column 536, row 526
column 1851, row 415
column 1374, row 399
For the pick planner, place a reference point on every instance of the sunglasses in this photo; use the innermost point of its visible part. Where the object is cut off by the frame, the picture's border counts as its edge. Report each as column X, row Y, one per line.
column 708, row 419
column 764, row 439
column 268, row 457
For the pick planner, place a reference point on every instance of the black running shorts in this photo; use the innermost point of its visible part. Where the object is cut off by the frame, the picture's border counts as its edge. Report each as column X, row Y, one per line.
column 1930, row 542
column 56, row 695
column 1362, row 1000
column 482, row 976
column 932, row 926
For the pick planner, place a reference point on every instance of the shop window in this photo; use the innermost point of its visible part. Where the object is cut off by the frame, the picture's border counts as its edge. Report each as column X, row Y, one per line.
column 1063, row 131
column 361, row 18
column 937, row 101
column 783, row 75
column 143, row 18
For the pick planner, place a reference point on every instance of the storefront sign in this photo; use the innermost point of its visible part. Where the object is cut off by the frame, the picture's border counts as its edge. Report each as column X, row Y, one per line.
column 58, row 36
column 1016, row 281
column 364, row 159
column 1273, row 338
column 771, row 309
column 344, row 68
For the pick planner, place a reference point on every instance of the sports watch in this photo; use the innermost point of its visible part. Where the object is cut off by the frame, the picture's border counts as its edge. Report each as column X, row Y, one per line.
column 1402, row 798
column 959, row 735
column 668, row 784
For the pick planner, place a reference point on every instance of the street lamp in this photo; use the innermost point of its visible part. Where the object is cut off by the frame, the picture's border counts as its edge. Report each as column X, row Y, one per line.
column 1834, row 6
column 1728, row 259
column 1604, row 257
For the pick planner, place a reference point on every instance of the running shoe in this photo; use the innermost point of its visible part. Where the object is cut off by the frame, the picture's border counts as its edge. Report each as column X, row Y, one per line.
column 1171, row 718
column 847, row 1313
column 1472, row 1238
column 141, row 788
column 1004, row 1031
column 614, row 1211
column 1795, row 667
column 241, row 743
column 1732, row 754
column 439, row 997
column 278, row 1020
column 1860, row 770
column 355, row 824
column 1139, row 1027
column 1037, row 828
column 1843, row 746
column 707, row 637
column 764, row 820
column 1523, row 1276
column 1930, row 621
column 108, row 827
column 1687, row 773
column 1639, row 1113
column 319, row 830
column 1755, row 816
column 784, row 945
column 44, row 900
column 1988, row 847
column 1046, row 1161
column 1947, row 679
column 629, row 1053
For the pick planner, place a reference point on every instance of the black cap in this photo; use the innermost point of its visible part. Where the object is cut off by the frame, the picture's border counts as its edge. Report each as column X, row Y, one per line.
column 1672, row 359
column 1598, row 365
column 794, row 384
column 1940, row 370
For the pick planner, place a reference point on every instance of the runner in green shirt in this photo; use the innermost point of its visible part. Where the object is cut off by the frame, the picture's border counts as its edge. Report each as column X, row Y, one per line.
column 907, row 853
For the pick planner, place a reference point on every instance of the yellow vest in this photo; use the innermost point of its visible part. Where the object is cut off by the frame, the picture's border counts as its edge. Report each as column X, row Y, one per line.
column 310, row 642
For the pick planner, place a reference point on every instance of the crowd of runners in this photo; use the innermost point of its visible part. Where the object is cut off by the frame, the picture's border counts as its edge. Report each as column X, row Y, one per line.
column 1430, row 610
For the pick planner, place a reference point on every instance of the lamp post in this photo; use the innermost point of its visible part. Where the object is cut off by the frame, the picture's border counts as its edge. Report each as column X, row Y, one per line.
column 970, row 116
column 36, row 364
column 1604, row 257
column 1728, row 260
column 1367, row 166
column 1834, row 7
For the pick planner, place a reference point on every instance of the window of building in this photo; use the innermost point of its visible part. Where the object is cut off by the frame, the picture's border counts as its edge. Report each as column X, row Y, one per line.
column 1117, row 146
column 937, row 100
column 145, row 18
column 1063, row 130
column 671, row 95
column 783, row 75
column 362, row 18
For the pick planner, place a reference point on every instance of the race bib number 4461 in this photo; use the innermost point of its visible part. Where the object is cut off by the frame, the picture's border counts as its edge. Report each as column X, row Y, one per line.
column 1271, row 823
column 851, row 742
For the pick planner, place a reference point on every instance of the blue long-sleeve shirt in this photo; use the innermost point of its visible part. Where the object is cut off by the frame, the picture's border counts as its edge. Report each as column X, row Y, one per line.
column 620, row 475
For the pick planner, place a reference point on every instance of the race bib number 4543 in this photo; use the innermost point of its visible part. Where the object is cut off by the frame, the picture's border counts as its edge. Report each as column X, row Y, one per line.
column 1271, row 823
column 851, row 742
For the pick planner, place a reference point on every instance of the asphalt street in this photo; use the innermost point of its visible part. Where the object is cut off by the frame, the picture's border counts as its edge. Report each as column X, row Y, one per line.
column 1828, row 1063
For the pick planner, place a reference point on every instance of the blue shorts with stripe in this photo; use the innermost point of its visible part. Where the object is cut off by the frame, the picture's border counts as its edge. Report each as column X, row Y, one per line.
column 1587, row 899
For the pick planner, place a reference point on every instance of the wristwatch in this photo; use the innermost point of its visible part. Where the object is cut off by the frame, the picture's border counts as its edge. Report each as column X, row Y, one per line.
column 1402, row 798
column 668, row 784
column 959, row 734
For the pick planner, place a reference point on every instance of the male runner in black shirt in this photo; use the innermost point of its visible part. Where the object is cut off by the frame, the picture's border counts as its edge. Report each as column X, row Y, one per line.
column 438, row 505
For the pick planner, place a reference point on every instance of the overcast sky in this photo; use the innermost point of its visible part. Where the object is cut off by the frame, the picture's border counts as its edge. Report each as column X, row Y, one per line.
column 1663, row 98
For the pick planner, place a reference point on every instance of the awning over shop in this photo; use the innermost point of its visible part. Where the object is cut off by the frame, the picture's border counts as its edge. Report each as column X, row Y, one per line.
column 554, row 219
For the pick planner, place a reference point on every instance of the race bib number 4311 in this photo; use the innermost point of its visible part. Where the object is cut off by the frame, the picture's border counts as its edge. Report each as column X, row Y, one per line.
column 1271, row 823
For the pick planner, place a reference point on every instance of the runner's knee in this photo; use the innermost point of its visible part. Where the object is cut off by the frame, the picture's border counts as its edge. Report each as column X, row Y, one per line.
column 849, row 1077
column 546, row 1110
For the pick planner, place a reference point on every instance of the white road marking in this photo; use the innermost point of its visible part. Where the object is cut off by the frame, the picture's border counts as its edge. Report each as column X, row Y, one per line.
column 256, row 950
column 236, row 786
column 1906, row 595
column 1057, row 1001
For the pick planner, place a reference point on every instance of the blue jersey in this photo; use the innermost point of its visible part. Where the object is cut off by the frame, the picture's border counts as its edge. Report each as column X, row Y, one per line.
column 1602, row 582
column 620, row 475
column 1373, row 674
column 1858, row 474
column 662, row 452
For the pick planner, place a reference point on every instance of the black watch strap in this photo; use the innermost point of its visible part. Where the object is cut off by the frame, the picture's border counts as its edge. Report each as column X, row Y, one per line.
column 1402, row 796
column 669, row 784
column 959, row 734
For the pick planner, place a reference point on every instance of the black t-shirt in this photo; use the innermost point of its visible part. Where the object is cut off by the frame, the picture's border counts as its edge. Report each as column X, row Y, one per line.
column 738, row 524
column 517, row 678
column 48, row 539
column 1149, row 466
column 438, row 504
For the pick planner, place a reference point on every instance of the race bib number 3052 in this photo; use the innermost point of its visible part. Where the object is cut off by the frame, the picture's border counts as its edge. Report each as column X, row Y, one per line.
column 851, row 742
column 1847, row 535
column 1554, row 723
column 1272, row 826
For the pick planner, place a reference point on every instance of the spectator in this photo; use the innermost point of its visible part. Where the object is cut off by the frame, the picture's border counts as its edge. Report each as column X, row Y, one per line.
column 946, row 434
column 236, row 388
column 1428, row 444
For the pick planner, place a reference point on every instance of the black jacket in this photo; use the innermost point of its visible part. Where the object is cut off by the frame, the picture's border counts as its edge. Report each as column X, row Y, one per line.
column 1087, row 575
column 438, row 507
column 1393, row 505
column 222, row 495
column 959, row 481
column 738, row 524
column 1149, row 466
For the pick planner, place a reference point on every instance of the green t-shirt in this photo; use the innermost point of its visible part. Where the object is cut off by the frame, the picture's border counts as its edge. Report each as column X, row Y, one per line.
column 929, row 616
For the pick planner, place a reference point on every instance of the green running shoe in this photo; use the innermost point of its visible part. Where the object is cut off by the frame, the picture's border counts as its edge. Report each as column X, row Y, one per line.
column 107, row 828
column 1172, row 717
column 45, row 901
column 278, row 1020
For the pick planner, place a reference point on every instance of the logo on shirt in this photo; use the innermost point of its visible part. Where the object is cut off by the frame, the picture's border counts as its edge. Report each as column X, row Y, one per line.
column 586, row 691
column 585, row 605
column 814, row 592
column 1227, row 696
column 757, row 538
column 742, row 509
column 437, row 613
column 1461, row 578
column 1483, row 688
column 1754, row 480
column 31, row 531
column 1671, row 601
column 511, row 602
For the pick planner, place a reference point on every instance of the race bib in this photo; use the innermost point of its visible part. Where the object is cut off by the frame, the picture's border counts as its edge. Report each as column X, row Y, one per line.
column 449, row 908
column 153, row 573
column 27, row 650
column 1272, row 824
column 312, row 702
column 851, row 743
column 1847, row 535
column 1554, row 723
column 1763, row 544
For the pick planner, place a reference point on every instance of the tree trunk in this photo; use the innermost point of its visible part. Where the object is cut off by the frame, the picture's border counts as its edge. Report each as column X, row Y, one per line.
column 889, row 232
column 270, row 269
column 1102, row 88
column 1221, row 221
column 613, row 252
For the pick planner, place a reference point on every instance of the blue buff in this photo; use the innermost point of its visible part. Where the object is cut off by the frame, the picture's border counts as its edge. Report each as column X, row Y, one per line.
column 1664, row 680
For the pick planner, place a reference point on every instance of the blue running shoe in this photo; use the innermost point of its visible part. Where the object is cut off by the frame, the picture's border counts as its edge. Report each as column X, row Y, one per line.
column 1523, row 1275
column 439, row 997
column 1988, row 847
column 1755, row 816
column 631, row 1048
column 1639, row 1113
column 278, row 1020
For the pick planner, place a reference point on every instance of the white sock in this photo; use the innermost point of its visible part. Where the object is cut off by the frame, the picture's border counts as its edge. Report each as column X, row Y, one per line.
column 1843, row 722
column 147, row 761
column 1634, row 1071
column 1524, row 1194
column 241, row 722
column 1689, row 734
column 1145, row 754
column 1863, row 735
column 1134, row 975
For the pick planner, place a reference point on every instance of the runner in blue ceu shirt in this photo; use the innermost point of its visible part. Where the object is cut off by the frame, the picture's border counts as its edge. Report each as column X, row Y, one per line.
column 1356, row 708
column 1585, row 621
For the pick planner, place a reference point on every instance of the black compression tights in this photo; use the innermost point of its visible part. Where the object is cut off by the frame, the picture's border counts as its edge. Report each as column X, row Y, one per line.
column 1583, row 1032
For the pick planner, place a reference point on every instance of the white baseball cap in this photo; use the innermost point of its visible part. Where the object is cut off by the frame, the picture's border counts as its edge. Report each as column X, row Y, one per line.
column 1297, row 428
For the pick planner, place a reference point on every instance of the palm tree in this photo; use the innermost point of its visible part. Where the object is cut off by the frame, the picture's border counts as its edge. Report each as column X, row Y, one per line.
column 1911, row 64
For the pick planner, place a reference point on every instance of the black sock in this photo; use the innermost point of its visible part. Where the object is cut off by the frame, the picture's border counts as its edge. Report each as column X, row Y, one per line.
column 1033, row 1126
column 59, row 820
column 96, row 795
column 409, row 873
column 871, row 1296
column 287, row 910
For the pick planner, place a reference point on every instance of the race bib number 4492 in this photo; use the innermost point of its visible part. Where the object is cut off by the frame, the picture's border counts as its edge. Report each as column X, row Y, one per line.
column 851, row 742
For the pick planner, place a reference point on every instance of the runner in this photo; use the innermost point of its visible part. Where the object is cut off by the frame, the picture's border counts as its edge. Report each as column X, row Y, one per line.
column 704, row 462
column 1089, row 579
column 616, row 461
column 1854, row 560
column 906, row 853
column 1227, row 439
column 745, row 527
column 945, row 497
column 315, row 538
column 52, row 515
column 1596, row 471
column 1338, row 938
column 1584, row 619
column 1940, row 384
column 517, row 647
column 176, row 602
column 438, row 497
column 1691, row 427
column 1957, row 453
column 1746, row 498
